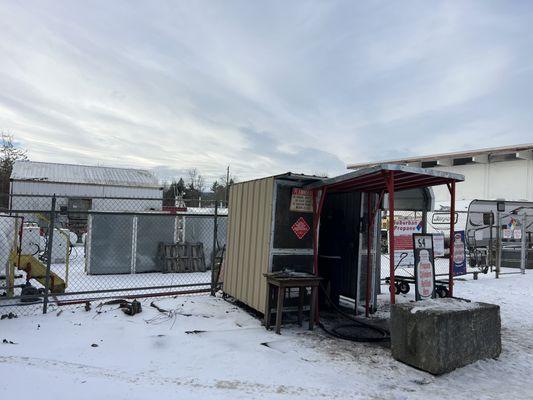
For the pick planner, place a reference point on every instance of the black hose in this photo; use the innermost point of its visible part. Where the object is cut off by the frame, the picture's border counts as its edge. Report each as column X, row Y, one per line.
column 384, row 335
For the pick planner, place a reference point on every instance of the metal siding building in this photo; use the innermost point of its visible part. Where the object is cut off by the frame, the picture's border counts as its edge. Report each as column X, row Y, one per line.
column 68, row 180
column 249, row 240
column 494, row 173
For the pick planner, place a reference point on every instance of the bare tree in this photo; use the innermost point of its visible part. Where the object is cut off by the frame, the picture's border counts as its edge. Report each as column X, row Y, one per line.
column 9, row 153
column 195, row 180
column 195, row 187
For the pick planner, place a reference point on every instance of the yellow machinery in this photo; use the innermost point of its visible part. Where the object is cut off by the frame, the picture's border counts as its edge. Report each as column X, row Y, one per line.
column 37, row 270
column 34, row 268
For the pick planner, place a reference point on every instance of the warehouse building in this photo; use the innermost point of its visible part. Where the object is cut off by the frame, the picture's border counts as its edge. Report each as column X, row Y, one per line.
column 81, row 187
column 492, row 173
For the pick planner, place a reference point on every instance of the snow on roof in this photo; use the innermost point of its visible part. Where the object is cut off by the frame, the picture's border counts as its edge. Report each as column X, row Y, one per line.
column 82, row 174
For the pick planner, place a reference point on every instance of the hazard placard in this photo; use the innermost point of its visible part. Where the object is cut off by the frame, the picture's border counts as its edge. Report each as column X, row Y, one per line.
column 300, row 228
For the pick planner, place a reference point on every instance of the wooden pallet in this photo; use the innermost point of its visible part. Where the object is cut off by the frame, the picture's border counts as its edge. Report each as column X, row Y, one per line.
column 182, row 257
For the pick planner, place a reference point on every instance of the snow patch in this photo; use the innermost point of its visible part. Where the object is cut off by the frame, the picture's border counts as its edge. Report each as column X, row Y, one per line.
column 445, row 304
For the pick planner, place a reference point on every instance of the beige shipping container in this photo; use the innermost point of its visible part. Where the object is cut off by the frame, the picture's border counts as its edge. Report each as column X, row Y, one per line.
column 251, row 248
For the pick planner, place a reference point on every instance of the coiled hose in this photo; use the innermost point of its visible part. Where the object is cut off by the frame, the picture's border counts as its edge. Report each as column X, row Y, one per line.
column 382, row 334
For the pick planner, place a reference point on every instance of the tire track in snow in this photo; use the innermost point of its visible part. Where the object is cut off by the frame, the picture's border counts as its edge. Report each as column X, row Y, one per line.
column 85, row 370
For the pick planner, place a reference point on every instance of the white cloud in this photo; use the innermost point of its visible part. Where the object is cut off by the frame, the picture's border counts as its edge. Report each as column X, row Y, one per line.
column 302, row 86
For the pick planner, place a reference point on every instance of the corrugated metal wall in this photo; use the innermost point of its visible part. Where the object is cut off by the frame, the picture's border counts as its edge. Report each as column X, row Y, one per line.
column 75, row 190
column 248, row 241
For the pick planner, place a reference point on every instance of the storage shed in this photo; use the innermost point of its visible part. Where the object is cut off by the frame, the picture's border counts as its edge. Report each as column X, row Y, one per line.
column 89, row 187
column 321, row 226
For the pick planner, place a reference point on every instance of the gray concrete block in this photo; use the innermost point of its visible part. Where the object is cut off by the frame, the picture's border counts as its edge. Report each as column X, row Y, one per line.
column 441, row 335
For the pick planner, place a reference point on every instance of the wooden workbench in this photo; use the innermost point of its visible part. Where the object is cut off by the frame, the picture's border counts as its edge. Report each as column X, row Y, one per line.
column 281, row 281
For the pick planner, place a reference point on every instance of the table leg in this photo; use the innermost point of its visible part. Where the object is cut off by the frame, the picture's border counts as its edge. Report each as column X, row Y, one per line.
column 268, row 306
column 312, row 308
column 279, row 312
column 301, row 305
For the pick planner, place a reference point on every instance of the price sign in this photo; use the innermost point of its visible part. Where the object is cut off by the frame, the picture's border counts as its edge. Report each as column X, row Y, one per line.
column 424, row 266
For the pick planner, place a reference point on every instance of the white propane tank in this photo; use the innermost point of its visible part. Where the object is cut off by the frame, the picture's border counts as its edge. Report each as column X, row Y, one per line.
column 7, row 236
column 60, row 246
column 32, row 242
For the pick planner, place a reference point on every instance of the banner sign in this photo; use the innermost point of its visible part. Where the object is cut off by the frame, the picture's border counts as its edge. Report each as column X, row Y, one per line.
column 424, row 266
column 403, row 240
column 438, row 244
column 301, row 200
column 459, row 253
column 443, row 218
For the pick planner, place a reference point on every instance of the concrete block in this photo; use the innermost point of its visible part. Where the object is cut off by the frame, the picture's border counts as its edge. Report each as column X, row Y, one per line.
column 441, row 335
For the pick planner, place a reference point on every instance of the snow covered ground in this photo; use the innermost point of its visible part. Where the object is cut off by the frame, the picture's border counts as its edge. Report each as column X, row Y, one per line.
column 227, row 355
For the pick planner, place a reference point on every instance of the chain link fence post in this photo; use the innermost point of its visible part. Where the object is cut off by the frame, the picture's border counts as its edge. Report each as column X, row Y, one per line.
column 49, row 254
column 523, row 243
column 214, row 251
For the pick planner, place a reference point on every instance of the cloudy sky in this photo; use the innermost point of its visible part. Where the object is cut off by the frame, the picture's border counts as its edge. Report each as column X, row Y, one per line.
column 264, row 86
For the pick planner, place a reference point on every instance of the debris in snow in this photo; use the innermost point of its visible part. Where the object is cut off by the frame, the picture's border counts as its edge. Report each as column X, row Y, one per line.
column 152, row 304
column 59, row 313
column 87, row 306
column 5, row 341
column 131, row 308
column 94, row 345
column 194, row 332
column 112, row 302
column 8, row 316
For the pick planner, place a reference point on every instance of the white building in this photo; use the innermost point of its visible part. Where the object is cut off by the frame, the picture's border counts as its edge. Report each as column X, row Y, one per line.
column 91, row 187
column 494, row 173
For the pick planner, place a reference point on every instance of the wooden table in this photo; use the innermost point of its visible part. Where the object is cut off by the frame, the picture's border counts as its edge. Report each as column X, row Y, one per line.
column 281, row 282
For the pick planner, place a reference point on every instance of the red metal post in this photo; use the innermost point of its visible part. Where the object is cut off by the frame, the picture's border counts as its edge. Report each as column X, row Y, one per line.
column 369, row 253
column 390, row 190
column 317, row 210
column 451, row 187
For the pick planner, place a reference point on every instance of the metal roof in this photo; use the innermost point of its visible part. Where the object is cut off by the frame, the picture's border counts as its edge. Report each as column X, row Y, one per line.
column 521, row 148
column 82, row 174
column 288, row 176
column 373, row 179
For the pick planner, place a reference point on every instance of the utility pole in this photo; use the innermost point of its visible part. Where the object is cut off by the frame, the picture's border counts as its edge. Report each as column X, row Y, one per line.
column 227, row 186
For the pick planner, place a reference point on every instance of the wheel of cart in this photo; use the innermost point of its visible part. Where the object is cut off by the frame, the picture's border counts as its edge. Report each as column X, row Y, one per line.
column 441, row 288
column 401, row 283
column 404, row 287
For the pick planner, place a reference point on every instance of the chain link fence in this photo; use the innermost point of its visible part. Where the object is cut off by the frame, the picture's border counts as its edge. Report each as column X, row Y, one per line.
column 436, row 223
column 69, row 251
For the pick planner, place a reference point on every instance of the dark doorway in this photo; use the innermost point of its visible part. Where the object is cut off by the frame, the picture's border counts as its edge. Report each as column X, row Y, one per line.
column 338, row 248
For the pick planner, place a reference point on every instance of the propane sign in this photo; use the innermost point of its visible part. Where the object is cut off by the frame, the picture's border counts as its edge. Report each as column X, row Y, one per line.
column 424, row 266
column 403, row 242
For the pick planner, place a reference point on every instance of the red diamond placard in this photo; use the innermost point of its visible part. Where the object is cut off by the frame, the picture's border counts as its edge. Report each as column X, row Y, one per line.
column 300, row 228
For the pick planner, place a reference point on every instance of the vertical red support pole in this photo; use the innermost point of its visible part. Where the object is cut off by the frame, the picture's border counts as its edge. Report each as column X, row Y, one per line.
column 315, row 231
column 390, row 189
column 317, row 210
column 451, row 187
column 369, row 253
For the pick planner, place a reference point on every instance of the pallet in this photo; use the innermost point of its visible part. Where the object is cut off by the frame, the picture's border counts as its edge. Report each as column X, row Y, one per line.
column 182, row 257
